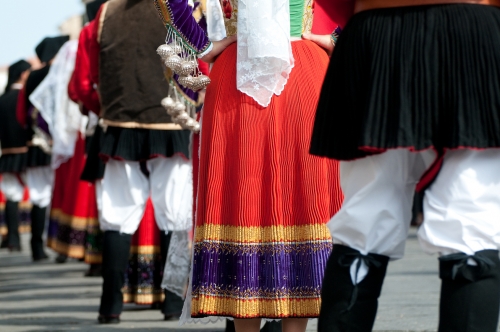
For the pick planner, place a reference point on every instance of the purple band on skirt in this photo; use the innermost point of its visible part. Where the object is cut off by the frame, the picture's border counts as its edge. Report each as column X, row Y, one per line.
column 274, row 270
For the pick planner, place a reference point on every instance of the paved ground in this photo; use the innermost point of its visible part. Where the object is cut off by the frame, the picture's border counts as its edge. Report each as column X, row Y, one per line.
column 52, row 297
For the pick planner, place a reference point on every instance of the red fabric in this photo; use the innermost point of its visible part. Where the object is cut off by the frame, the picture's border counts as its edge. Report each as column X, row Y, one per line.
column 196, row 166
column 22, row 108
column 255, row 167
column 73, row 197
column 148, row 233
column 328, row 14
column 81, row 87
column 204, row 67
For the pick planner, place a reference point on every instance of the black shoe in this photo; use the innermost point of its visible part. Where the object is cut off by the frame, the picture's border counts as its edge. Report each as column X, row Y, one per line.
column 115, row 254
column 347, row 307
column 108, row 319
column 470, row 294
column 15, row 248
column 172, row 318
column 61, row 259
column 40, row 258
column 95, row 270
column 4, row 244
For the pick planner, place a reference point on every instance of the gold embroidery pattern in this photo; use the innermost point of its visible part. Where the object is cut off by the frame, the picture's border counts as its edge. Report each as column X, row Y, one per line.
column 259, row 248
column 277, row 308
column 307, row 19
column 232, row 23
column 269, row 234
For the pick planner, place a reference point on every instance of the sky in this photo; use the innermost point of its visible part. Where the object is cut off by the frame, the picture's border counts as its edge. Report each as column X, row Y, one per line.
column 24, row 23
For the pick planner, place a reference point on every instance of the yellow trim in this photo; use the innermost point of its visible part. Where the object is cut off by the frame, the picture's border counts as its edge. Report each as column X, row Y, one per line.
column 239, row 308
column 69, row 250
column 93, row 258
column 76, row 223
column 22, row 229
column 157, row 126
column 262, row 234
column 145, row 250
column 23, row 149
column 142, row 298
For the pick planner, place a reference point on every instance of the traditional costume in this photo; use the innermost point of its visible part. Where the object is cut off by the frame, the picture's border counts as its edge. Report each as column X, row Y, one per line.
column 39, row 174
column 13, row 154
column 260, row 242
column 74, row 226
column 145, row 153
column 410, row 101
column 145, row 263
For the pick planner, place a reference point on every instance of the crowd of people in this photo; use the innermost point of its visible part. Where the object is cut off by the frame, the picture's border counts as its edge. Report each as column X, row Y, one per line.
column 275, row 183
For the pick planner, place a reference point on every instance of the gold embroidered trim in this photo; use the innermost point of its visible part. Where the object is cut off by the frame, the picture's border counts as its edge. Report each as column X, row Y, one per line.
column 307, row 19
column 157, row 126
column 269, row 234
column 237, row 308
column 145, row 250
column 76, row 223
column 73, row 251
column 23, row 149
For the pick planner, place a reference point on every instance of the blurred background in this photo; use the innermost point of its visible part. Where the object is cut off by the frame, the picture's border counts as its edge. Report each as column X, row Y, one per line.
column 23, row 24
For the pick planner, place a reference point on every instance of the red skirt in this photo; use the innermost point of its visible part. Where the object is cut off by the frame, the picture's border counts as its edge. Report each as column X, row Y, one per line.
column 145, row 267
column 74, row 225
column 261, row 241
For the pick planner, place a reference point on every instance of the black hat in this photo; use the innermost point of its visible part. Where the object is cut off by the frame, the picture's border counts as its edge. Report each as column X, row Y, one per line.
column 49, row 47
column 93, row 8
column 15, row 72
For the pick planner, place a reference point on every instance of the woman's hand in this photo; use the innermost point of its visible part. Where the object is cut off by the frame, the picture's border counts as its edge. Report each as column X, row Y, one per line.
column 323, row 41
column 217, row 48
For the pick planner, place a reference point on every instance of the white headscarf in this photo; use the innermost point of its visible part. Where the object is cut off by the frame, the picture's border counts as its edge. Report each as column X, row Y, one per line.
column 61, row 114
column 265, row 57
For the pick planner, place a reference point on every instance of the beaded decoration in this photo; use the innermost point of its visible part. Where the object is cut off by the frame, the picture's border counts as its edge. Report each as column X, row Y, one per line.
column 181, row 111
column 182, row 59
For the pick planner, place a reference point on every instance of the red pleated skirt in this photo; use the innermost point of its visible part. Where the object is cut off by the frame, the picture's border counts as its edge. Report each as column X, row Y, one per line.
column 74, row 224
column 261, row 241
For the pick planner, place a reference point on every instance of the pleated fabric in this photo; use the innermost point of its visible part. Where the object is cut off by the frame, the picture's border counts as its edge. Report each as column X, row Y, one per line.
column 412, row 77
column 94, row 166
column 73, row 224
column 24, row 213
column 37, row 158
column 13, row 163
column 261, row 243
column 143, row 144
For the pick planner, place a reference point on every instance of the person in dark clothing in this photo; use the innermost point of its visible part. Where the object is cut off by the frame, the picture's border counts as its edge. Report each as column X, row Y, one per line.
column 39, row 174
column 13, row 154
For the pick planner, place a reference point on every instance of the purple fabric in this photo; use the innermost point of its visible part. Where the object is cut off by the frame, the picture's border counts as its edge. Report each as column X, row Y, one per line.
column 40, row 122
column 183, row 21
column 260, row 270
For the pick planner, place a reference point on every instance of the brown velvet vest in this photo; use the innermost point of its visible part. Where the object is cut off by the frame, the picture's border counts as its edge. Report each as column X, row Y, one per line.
column 132, row 83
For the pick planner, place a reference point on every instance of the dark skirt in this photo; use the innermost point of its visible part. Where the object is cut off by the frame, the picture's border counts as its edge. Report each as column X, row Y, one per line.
column 143, row 144
column 37, row 157
column 13, row 163
column 94, row 166
column 412, row 77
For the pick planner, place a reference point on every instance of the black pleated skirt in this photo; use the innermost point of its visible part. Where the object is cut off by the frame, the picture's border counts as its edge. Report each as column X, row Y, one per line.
column 13, row 163
column 143, row 144
column 37, row 157
column 94, row 166
column 412, row 77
